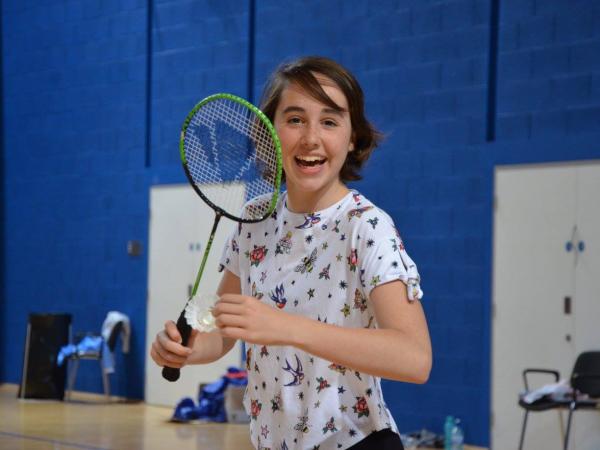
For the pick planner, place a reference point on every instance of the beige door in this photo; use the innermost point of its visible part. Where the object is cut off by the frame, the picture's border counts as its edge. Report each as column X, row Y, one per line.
column 587, row 289
column 546, row 255
column 533, row 219
column 180, row 225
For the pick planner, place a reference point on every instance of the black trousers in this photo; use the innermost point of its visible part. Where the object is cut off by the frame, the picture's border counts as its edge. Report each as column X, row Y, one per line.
column 380, row 440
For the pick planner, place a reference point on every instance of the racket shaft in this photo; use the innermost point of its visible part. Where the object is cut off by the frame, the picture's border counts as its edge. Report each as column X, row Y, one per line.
column 206, row 251
column 172, row 373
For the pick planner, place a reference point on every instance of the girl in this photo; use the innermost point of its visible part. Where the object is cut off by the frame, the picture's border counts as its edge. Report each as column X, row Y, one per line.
column 322, row 292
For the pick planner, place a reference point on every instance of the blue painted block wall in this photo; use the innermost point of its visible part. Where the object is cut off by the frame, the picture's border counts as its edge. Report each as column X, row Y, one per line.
column 77, row 172
column 548, row 69
column 75, row 189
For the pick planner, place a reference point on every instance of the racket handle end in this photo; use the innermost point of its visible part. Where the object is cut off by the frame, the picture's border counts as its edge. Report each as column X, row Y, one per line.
column 170, row 374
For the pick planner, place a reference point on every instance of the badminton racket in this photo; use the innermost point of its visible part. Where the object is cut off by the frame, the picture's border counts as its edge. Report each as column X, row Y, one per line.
column 227, row 142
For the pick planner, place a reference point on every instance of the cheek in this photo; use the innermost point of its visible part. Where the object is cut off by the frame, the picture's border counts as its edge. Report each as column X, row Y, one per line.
column 287, row 141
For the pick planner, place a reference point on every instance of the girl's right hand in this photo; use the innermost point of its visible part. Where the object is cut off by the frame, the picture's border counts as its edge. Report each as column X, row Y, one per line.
column 167, row 349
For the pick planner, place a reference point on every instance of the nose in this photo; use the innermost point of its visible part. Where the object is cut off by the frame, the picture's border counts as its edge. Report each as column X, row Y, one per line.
column 310, row 137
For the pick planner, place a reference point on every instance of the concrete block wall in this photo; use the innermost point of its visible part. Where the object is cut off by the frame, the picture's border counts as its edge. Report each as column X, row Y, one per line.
column 548, row 69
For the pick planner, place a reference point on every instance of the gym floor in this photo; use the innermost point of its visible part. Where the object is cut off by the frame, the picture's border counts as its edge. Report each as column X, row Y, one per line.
column 90, row 422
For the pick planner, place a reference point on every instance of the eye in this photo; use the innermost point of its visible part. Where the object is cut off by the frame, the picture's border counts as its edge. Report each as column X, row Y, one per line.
column 330, row 123
column 294, row 120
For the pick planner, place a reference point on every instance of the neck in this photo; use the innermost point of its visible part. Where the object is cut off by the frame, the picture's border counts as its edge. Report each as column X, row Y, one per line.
column 299, row 201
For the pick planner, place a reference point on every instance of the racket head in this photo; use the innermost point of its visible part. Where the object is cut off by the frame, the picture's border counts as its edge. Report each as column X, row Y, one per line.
column 227, row 141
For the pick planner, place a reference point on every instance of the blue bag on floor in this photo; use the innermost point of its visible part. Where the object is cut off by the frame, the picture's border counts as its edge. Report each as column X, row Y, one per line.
column 211, row 400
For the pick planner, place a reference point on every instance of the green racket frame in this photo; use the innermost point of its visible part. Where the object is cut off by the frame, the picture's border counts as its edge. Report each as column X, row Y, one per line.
column 170, row 373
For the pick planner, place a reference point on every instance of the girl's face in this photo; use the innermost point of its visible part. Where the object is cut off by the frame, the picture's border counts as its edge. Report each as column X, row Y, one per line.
column 315, row 141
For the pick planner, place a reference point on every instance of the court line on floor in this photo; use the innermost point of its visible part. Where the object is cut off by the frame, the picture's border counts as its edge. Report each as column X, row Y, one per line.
column 53, row 441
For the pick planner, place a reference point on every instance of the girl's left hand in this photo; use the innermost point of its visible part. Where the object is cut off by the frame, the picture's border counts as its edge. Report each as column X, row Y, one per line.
column 247, row 318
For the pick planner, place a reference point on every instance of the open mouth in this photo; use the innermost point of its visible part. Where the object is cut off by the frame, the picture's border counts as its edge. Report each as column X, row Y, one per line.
column 309, row 161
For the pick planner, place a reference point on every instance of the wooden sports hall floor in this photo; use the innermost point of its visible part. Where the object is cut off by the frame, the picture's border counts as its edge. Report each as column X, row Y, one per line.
column 89, row 422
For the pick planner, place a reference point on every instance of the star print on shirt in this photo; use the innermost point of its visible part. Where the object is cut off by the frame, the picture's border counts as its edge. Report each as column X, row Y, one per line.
column 264, row 431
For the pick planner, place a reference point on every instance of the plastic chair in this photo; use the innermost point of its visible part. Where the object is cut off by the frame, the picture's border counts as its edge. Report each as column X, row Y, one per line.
column 585, row 381
column 97, row 355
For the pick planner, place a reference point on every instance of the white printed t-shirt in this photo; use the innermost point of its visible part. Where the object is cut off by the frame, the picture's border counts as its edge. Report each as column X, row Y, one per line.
column 323, row 266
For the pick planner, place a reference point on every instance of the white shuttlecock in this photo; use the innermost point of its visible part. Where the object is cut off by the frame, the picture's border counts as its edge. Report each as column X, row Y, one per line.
column 198, row 312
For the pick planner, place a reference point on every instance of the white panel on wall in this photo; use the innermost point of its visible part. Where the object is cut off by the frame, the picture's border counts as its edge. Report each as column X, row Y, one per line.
column 180, row 225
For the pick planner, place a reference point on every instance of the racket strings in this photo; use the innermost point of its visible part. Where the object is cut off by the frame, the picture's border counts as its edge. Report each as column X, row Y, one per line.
column 227, row 144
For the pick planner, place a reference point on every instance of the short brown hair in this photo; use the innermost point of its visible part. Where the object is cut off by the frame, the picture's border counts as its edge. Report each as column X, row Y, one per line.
column 302, row 72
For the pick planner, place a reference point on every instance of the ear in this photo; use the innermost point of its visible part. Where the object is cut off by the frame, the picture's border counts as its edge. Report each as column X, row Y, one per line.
column 351, row 146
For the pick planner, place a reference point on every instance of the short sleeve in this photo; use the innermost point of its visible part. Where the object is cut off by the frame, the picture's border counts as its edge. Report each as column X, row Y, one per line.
column 382, row 256
column 230, row 258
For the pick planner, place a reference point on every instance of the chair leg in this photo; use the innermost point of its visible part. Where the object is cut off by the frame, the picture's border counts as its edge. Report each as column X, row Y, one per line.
column 105, row 382
column 72, row 375
column 561, row 423
column 523, row 430
column 571, row 409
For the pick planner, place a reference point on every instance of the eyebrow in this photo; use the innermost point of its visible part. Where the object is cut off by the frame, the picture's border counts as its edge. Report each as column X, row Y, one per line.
column 324, row 110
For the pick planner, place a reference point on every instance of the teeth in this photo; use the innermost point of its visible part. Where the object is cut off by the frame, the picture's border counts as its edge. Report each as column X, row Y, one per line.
column 310, row 158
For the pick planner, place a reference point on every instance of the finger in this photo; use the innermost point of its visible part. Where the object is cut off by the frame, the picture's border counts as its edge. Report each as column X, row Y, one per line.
column 230, row 320
column 232, row 298
column 172, row 331
column 226, row 308
column 166, row 343
column 166, row 357
column 158, row 359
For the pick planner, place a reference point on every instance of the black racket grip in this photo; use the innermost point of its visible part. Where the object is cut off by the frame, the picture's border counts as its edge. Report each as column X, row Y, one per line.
column 172, row 373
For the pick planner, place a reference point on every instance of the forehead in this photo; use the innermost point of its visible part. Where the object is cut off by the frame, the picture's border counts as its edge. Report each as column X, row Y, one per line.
column 296, row 93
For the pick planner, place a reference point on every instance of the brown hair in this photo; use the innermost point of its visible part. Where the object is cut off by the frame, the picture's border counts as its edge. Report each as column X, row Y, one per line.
column 302, row 72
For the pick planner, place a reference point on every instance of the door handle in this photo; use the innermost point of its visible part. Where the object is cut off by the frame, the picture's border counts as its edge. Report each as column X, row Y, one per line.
column 567, row 305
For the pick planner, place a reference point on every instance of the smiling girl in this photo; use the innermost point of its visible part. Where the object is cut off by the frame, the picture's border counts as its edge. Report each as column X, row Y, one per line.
column 331, row 304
